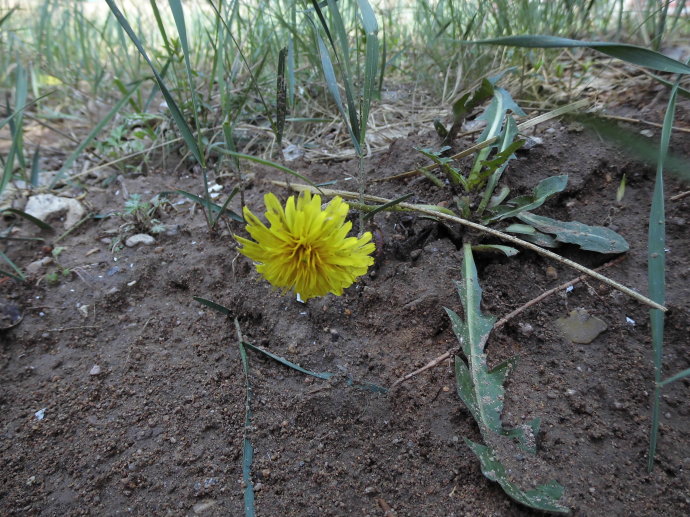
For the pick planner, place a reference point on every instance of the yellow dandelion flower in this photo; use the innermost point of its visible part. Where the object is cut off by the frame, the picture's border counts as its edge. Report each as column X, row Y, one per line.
column 306, row 249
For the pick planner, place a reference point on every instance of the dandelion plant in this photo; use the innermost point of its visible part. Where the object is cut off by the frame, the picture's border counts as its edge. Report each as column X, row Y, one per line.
column 306, row 249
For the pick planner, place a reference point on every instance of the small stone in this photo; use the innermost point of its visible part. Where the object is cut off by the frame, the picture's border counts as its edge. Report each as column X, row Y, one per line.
column 580, row 327
column 201, row 507
column 258, row 487
column 48, row 206
column 551, row 273
column 526, row 329
column 414, row 254
column 37, row 266
column 139, row 238
column 84, row 311
column 95, row 370
column 647, row 132
column 158, row 250
column 370, row 490
column 334, row 335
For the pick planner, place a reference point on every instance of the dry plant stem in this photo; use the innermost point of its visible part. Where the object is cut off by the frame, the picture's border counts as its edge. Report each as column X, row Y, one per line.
column 446, row 355
column 486, row 143
column 503, row 236
column 680, row 196
column 640, row 121
column 505, row 319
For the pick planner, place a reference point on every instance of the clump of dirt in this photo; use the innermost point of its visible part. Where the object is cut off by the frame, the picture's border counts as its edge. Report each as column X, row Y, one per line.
column 122, row 394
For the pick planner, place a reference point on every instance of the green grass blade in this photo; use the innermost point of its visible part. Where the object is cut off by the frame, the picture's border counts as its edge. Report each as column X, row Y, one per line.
column 41, row 224
column 21, row 91
column 386, row 206
column 209, row 206
column 656, row 264
column 16, row 114
column 371, row 63
column 224, row 208
column 213, row 305
column 159, row 23
column 247, row 448
column 178, row 15
column 332, row 84
column 631, row 53
column 676, row 377
column 36, row 166
column 93, row 134
column 7, row 15
column 172, row 105
column 17, row 275
column 268, row 164
column 289, row 364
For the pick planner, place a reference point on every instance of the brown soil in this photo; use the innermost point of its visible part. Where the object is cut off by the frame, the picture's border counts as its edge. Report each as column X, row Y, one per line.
column 159, row 430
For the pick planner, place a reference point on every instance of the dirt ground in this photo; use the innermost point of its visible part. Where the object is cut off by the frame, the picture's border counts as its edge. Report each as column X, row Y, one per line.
column 142, row 392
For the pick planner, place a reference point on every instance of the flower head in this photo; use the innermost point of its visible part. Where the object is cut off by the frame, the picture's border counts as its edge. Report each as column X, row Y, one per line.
column 306, row 249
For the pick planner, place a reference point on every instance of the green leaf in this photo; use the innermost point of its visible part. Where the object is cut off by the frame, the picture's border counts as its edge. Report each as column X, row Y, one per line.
column 473, row 333
column 506, row 250
column 591, row 238
column 544, row 497
column 541, row 239
column 631, row 53
column 545, row 189
column 525, row 229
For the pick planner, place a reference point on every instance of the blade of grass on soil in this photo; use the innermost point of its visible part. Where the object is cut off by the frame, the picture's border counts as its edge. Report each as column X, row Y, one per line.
column 656, row 264
column 247, row 448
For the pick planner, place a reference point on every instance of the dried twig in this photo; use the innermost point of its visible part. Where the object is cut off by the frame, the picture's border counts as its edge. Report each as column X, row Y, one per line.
column 548, row 293
column 430, row 364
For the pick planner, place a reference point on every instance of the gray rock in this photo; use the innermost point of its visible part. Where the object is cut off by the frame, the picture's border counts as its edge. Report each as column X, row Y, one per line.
column 48, row 206
column 37, row 265
column 580, row 327
column 139, row 238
